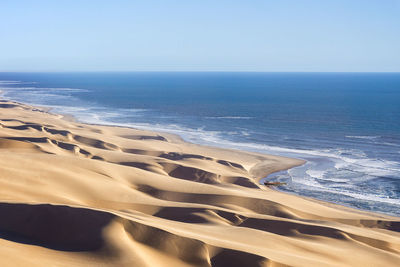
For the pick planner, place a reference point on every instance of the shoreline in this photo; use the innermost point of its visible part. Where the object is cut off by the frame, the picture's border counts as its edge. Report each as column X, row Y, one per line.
column 258, row 171
column 348, row 164
column 125, row 196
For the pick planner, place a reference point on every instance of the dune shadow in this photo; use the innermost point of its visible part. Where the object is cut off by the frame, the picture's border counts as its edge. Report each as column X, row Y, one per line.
column 8, row 106
column 187, row 215
column 56, row 227
column 145, row 137
column 235, row 258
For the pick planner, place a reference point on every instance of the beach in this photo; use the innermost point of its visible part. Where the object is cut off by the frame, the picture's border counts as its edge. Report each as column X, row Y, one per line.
column 75, row 194
column 350, row 147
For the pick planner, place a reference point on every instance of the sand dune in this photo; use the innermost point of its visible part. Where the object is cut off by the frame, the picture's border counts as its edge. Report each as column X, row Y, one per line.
column 73, row 194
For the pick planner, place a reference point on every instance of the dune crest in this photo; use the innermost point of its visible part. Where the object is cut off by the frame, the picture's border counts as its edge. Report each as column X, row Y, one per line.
column 73, row 194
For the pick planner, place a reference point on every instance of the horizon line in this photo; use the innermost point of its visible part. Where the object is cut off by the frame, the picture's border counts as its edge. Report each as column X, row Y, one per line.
column 186, row 71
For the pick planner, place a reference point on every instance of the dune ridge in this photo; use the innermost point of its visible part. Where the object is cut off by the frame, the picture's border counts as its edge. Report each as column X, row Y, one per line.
column 74, row 194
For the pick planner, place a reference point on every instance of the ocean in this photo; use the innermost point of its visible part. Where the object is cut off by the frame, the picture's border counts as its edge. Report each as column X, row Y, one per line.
column 345, row 125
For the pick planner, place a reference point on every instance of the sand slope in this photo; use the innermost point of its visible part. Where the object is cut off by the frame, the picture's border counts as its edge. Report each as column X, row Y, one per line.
column 83, row 195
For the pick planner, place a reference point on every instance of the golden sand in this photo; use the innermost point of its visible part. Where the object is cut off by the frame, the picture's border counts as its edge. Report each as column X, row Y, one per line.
column 73, row 194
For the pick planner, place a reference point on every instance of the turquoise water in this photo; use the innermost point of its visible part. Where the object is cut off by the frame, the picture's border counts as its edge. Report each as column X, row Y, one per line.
column 346, row 125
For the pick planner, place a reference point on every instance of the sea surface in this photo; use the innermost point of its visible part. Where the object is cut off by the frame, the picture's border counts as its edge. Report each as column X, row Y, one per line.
column 345, row 125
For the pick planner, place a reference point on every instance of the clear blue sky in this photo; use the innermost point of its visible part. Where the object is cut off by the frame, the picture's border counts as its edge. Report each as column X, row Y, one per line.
column 206, row 35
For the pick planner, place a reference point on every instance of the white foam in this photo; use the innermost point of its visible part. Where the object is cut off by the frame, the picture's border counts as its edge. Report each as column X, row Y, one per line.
column 365, row 196
column 10, row 82
column 231, row 117
column 245, row 133
column 370, row 166
column 40, row 90
column 362, row 137
column 319, row 174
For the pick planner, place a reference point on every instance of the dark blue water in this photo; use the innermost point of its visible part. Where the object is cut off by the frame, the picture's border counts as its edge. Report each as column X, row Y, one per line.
column 346, row 125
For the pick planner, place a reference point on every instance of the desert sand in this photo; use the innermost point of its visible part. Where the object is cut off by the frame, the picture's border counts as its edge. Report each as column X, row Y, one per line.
column 74, row 194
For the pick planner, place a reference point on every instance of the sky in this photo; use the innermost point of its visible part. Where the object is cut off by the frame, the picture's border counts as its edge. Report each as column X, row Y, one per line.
column 206, row 35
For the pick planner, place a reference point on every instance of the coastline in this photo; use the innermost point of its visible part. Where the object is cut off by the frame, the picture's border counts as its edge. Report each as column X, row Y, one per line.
column 357, row 167
column 163, row 201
